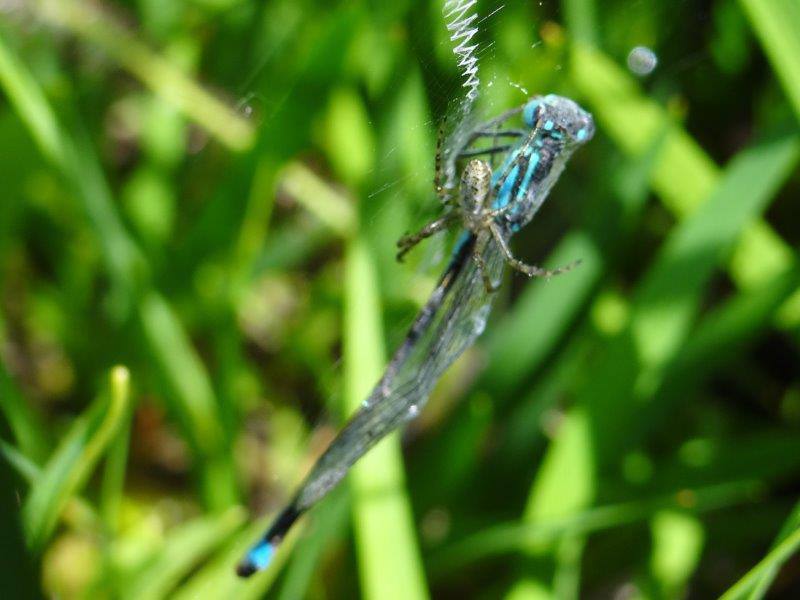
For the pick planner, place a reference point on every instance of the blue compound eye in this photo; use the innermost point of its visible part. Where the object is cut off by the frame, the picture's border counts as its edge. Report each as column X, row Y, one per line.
column 531, row 112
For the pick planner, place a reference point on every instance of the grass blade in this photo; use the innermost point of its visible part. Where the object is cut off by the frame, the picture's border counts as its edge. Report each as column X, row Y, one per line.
column 601, row 423
column 684, row 175
column 777, row 25
column 182, row 550
column 772, row 561
column 191, row 387
column 161, row 76
column 330, row 521
column 218, row 578
column 16, row 566
column 113, row 484
column 389, row 561
column 22, row 421
column 517, row 536
column 762, row 583
column 74, row 460
column 192, row 399
column 546, row 308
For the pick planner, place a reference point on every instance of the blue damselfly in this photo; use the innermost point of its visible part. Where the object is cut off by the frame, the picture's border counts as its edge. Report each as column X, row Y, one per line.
column 490, row 206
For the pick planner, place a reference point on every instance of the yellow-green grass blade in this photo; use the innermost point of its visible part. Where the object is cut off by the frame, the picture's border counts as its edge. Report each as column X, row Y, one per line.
column 777, row 25
column 23, row 422
column 664, row 307
column 677, row 539
column 683, row 175
column 218, row 579
column 389, row 562
column 77, row 513
column 73, row 461
column 761, row 584
column 518, row 536
column 192, row 397
column 386, row 546
column 190, row 384
column 112, row 488
column 182, row 550
column 156, row 72
column 330, row 521
column 772, row 561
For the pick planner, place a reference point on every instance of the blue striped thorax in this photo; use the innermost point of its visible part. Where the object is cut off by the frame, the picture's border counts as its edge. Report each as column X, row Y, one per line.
column 557, row 126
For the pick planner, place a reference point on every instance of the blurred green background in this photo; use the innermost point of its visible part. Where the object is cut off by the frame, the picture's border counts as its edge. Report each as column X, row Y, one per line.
column 197, row 224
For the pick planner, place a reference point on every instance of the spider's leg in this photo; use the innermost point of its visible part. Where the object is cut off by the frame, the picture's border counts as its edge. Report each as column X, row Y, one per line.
column 407, row 242
column 515, row 263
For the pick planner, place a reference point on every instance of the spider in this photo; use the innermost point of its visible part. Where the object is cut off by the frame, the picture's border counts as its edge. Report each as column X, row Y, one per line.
column 493, row 205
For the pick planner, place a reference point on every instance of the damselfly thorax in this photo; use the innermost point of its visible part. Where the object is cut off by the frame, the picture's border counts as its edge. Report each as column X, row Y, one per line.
column 493, row 205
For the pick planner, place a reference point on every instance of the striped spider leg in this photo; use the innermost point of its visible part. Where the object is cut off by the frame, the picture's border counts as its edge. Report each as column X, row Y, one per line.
column 488, row 129
column 481, row 220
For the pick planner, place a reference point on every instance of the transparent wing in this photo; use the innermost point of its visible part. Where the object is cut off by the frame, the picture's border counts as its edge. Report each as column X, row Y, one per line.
column 447, row 325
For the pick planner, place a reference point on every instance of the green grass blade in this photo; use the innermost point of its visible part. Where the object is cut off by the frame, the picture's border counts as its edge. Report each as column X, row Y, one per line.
column 689, row 256
column 762, row 583
column 546, row 308
column 157, row 73
column 518, row 536
column 192, row 399
column 389, row 562
column 30, row 103
column 722, row 335
column 77, row 513
column 777, row 25
column 616, row 102
column 772, row 561
column 684, row 175
column 605, row 413
column 16, row 565
column 544, row 311
column 23, row 422
column 23, row 465
column 184, row 547
column 74, row 460
column 113, row 484
column 678, row 539
column 580, row 15
column 218, row 578
column 76, row 164
column 330, row 520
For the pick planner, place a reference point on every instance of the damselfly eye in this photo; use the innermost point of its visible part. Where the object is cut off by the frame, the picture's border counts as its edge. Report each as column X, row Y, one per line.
column 532, row 112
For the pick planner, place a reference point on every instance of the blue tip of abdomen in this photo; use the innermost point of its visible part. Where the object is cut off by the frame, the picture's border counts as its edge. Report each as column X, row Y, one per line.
column 257, row 559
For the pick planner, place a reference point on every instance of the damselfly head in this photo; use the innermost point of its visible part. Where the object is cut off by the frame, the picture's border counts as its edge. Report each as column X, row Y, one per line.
column 560, row 117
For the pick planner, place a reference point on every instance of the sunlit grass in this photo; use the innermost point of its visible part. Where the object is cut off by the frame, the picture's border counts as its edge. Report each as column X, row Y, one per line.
column 210, row 193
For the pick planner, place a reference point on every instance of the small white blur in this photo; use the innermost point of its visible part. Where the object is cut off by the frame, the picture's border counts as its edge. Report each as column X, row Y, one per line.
column 642, row 61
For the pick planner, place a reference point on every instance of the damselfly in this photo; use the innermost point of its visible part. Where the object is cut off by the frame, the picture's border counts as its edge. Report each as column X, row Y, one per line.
column 490, row 207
